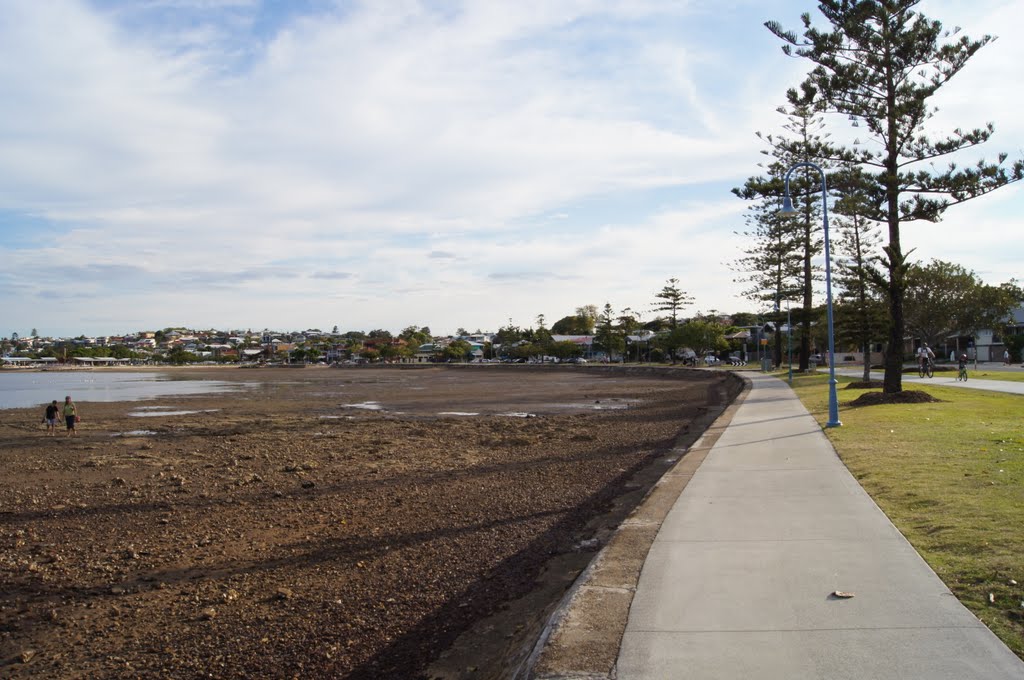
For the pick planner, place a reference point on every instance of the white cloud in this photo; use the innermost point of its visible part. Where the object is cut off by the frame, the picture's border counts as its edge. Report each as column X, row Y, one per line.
column 457, row 162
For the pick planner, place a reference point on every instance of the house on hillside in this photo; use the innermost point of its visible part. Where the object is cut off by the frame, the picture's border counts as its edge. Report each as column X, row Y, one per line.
column 251, row 354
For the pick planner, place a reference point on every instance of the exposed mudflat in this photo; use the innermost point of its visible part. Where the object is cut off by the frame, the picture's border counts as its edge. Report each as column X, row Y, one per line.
column 342, row 523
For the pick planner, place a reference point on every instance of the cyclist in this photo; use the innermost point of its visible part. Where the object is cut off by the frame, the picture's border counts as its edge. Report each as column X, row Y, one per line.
column 962, row 365
column 924, row 356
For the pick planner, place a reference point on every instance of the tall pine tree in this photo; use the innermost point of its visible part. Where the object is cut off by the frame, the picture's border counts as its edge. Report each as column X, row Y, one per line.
column 672, row 299
column 802, row 233
column 860, row 311
column 771, row 264
column 879, row 63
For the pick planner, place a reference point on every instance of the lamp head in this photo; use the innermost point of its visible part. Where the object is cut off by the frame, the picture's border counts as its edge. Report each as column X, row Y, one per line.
column 787, row 205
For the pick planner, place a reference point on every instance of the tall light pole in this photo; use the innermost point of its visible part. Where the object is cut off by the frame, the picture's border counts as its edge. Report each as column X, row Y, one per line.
column 789, row 341
column 787, row 207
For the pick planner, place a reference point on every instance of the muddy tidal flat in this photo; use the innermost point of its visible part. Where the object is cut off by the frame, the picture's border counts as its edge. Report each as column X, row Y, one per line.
column 361, row 522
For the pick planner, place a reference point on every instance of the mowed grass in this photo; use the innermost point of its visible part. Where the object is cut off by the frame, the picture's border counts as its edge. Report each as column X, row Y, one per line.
column 982, row 374
column 950, row 476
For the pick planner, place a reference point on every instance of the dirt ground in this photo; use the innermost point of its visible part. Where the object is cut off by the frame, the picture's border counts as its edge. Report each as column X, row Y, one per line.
column 323, row 522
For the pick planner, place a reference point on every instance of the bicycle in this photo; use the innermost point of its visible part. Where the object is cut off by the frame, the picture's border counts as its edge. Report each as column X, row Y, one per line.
column 926, row 368
column 962, row 375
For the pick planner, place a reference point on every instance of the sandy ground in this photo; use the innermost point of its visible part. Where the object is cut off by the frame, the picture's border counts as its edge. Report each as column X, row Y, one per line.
column 343, row 523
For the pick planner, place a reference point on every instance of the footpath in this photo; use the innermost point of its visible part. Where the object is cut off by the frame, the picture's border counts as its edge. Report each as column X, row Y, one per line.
column 948, row 378
column 771, row 563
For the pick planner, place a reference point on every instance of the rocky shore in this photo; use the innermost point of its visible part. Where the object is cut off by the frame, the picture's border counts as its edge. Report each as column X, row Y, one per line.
column 342, row 523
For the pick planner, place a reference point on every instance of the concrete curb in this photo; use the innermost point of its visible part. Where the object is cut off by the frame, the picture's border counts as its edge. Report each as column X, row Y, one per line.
column 581, row 639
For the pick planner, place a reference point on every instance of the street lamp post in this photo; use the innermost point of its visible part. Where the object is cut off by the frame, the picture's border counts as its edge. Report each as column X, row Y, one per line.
column 789, row 340
column 787, row 207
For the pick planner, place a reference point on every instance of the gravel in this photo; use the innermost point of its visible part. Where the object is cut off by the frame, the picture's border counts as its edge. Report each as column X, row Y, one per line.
column 279, row 532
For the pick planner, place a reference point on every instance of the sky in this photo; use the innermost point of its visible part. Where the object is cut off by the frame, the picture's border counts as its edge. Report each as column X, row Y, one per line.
column 296, row 164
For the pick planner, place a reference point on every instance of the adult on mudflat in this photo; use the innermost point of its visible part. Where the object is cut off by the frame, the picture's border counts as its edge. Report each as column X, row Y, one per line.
column 70, row 416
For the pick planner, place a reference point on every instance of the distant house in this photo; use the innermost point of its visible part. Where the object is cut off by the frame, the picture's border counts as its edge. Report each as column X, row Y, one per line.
column 27, row 361
column 585, row 342
column 251, row 354
column 582, row 340
column 1016, row 325
column 100, row 361
column 335, row 353
column 989, row 343
column 425, row 353
column 480, row 338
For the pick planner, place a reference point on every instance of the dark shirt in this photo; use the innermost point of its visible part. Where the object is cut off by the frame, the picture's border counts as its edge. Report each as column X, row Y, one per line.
column 51, row 412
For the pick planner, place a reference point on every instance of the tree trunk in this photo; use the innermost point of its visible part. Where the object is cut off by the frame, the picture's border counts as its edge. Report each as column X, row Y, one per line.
column 805, row 335
column 867, row 361
column 894, row 352
column 808, row 285
column 778, row 344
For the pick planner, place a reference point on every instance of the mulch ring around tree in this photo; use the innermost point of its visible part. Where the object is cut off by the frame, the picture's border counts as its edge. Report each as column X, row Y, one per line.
column 865, row 385
column 903, row 397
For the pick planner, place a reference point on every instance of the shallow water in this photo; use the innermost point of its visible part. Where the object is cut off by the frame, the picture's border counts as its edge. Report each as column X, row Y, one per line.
column 366, row 405
column 26, row 389
column 169, row 412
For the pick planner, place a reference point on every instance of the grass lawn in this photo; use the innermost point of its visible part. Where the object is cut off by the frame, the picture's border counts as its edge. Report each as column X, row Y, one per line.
column 982, row 374
column 950, row 476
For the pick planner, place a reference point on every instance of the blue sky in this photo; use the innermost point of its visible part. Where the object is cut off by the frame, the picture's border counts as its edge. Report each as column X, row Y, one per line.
column 247, row 164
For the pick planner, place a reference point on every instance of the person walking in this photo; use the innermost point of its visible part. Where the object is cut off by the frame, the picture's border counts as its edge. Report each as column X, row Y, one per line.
column 70, row 416
column 1006, row 357
column 51, row 418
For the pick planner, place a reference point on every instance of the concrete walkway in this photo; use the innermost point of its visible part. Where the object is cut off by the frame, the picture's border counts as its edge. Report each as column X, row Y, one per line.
column 740, row 579
column 948, row 379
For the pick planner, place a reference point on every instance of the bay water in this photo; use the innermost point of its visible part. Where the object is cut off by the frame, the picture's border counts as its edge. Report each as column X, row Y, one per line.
column 24, row 389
